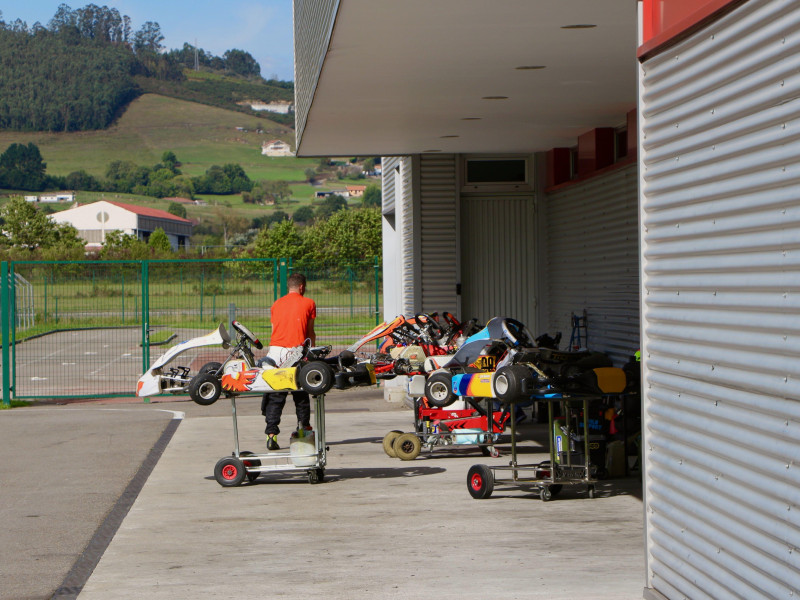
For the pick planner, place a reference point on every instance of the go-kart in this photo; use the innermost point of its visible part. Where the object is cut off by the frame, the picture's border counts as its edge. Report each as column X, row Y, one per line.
column 408, row 342
column 307, row 368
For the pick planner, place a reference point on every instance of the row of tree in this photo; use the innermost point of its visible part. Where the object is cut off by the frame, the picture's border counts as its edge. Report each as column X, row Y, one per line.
column 78, row 73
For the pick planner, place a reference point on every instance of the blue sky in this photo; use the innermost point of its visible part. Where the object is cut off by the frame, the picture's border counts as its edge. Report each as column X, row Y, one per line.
column 261, row 27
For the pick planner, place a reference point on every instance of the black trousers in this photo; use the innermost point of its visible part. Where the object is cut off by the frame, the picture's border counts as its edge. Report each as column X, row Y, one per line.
column 272, row 407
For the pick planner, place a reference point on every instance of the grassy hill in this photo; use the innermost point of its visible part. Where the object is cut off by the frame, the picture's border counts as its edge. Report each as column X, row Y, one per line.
column 200, row 136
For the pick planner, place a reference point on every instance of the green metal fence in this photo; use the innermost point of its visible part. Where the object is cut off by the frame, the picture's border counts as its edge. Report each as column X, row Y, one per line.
column 91, row 328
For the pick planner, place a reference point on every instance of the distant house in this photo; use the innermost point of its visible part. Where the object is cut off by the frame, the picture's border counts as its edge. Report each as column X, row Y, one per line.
column 276, row 148
column 52, row 197
column 283, row 107
column 93, row 221
column 356, row 191
column 323, row 195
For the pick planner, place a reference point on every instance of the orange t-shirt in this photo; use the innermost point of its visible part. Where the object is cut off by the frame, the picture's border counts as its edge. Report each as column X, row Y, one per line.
column 290, row 315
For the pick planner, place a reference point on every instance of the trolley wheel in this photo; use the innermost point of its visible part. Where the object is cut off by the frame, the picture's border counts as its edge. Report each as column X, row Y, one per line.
column 249, row 462
column 555, row 490
column 480, row 481
column 316, row 476
column 210, row 367
column 388, row 441
column 229, row 471
column 590, row 491
column 407, row 446
column 490, row 451
column 546, row 494
column 439, row 390
column 204, row 389
column 316, row 377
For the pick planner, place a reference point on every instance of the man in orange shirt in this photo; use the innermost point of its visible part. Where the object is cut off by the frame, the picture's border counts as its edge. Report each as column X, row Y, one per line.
column 292, row 319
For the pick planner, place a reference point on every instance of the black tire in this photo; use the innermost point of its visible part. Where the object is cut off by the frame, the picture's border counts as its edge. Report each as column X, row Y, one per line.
column 490, row 451
column 210, row 367
column 316, row 476
column 388, row 442
column 555, row 489
column 204, row 389
column 546, row 494
column 229, row 471
column 591, row 492
column 480, row 481
column 407, row 446
column 439, row 390
column 507, row 383
column 316, row 377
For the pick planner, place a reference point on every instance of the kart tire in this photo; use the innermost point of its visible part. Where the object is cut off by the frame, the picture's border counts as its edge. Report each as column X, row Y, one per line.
column 507, row 383
column 205, row 389
column 439, row 390
column 407, row 446
column 480, row 481
column 388, row 442
column 210, row 367
column 229, row 471
column 316, row 377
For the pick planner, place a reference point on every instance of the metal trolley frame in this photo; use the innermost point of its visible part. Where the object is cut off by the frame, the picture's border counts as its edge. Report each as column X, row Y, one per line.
column 232, row 470
column 550, row 476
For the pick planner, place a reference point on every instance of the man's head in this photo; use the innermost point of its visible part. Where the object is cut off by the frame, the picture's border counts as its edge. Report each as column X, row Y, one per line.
column 297, row 283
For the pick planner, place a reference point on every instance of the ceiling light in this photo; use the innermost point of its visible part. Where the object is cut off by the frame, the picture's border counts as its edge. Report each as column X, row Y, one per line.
column 579, row 26
column 449, row 136
column 471, row 118
column 529, row 67
column 495, row 98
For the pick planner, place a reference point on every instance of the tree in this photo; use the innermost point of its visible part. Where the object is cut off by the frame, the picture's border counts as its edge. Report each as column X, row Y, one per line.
column 241, row 63
column 26, row 227
column 148, row 39
column 230, row 222
column 159, row 242
column 349, row 236
column 177, row 209
column 372, row 196
column 304, row 214
column 330, row 205
column 22, row 168
column 281, row 240
column 119, row 245
column 170, row 161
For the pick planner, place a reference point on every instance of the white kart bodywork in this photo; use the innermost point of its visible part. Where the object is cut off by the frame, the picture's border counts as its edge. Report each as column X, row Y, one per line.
column 150, row 383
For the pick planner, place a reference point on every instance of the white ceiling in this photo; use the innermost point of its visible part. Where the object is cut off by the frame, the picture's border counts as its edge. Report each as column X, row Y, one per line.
column 400, row 75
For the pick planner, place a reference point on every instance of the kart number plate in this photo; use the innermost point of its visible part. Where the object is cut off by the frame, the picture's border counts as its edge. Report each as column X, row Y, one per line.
column 487, row 363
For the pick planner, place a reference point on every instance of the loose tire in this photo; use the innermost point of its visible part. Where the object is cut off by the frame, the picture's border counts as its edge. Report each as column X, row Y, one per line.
column 480, row 481
column 388, row 442
column 204, row 389
column 229, row 471
column 407, row 446
column 507, row 383
column 439, row 390
column 316, row 377
column 490, row 451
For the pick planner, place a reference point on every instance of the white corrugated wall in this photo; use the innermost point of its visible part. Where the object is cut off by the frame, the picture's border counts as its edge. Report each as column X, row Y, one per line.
column 439, row 214
column 592, row 262
column 720, row 167
column 400, row 274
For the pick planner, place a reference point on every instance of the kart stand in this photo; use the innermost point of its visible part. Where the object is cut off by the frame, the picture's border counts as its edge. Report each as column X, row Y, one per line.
column 548, row 477
column 233, row 470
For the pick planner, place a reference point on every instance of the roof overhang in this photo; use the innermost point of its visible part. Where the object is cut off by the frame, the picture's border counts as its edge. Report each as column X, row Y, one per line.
column 419, row 76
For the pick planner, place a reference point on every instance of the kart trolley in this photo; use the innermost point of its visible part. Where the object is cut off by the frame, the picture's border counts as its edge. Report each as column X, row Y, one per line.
column 307, row 454
column 567, row 465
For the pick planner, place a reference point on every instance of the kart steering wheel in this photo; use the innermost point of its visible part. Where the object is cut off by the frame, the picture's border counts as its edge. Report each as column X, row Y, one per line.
column 247, row 334
column 518, row 333
column 430, row 324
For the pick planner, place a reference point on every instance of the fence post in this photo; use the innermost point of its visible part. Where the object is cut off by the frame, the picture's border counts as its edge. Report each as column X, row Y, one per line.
column 6, row 355
column 377, row 291
column 202, row 285
column 123, row 296
column 350, row 275
column 145, row 317
column 283, row 269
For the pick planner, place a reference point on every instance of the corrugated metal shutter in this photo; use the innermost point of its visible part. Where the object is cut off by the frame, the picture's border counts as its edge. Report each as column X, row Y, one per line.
column 439, row 233
column 593, row 262
column 310, row 46
column 721, row 309
column 499, row 257
column 407, row 232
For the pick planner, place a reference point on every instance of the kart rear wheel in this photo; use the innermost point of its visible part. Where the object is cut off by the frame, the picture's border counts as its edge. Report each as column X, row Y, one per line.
column 507, row 383
column 229, row 471
column 204, row 389
column 439, row 390
column 210, row 367
column 407, row 446
column 316, row 378
column 480, row 481
column 388, row 443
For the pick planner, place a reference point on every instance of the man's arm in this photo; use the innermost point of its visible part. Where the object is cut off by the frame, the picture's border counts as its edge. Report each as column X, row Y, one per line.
column 311, row 333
